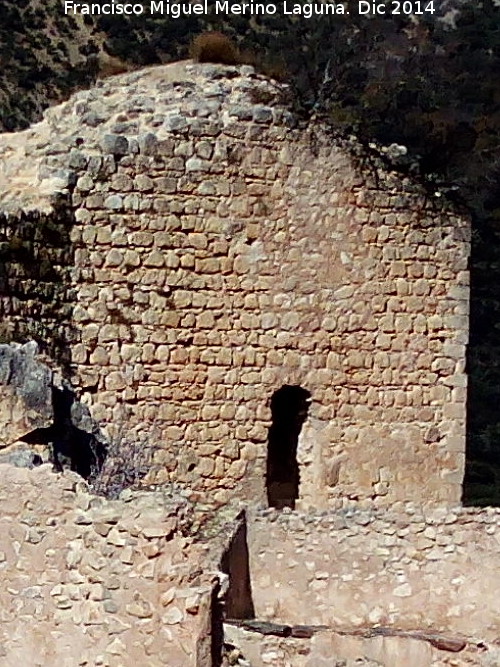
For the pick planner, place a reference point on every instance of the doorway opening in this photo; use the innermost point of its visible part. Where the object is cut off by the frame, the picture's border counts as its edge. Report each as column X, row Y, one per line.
column 289, row 409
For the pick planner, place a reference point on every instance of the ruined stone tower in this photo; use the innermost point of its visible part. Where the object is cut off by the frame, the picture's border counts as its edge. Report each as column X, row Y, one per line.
column 278, row 318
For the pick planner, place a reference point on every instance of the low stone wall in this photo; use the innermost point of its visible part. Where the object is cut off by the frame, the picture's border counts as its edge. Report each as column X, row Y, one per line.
column 335, row 649
column 87, row 581
column 348, row 569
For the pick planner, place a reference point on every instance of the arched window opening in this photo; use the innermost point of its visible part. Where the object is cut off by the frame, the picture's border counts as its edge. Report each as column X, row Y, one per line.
column 289, row 408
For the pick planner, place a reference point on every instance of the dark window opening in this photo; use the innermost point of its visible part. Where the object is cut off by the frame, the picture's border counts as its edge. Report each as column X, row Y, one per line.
column 289, row 408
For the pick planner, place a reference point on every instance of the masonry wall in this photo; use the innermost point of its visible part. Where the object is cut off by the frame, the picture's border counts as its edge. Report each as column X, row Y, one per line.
column 328, row 647
column 221, row 253
column 87, row 581
column 36, row 255
column 356, row 568
column 205, row 286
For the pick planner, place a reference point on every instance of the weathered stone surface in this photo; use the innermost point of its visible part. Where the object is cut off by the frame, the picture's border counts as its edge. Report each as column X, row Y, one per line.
column 350, row 648
column 242, row 254
column 23, row 455
column 217, row 253
column 40, row 417
column 25, row 392
column 115, row 144
column 88, row 601
column 358, row 568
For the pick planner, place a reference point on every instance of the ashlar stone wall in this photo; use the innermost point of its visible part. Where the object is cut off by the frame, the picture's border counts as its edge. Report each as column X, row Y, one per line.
column 222, row 252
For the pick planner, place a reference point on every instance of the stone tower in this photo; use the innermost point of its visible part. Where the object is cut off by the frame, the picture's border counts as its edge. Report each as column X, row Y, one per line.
column 277, row 316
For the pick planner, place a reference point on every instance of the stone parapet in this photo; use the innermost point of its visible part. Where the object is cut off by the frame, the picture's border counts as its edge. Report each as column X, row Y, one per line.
column 425, row 569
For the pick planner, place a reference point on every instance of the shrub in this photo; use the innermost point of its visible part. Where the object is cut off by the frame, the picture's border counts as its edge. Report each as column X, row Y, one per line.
column 214, row 47
column 109, row 65
column 271, row 67
column 127, row 463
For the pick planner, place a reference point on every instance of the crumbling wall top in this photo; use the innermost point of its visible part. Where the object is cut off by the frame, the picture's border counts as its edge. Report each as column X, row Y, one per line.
column 130, row 114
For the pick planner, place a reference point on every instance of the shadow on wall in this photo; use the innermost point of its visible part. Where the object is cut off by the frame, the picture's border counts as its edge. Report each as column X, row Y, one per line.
column 235, row 562
column 481, row 486
column 289, row 409
column 36, row 255
column 71, row 446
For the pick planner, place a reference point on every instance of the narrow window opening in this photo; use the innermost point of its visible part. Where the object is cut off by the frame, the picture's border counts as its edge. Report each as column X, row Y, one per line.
column 289, row 409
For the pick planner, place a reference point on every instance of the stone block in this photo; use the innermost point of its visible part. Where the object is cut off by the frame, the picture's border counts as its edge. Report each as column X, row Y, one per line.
column 114, row 202
column 154, row 259
column 26, row 389
column 115, row 144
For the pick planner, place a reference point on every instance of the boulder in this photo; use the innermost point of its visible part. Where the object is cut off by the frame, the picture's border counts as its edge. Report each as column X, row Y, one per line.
column 25, row 392
column 40, row 418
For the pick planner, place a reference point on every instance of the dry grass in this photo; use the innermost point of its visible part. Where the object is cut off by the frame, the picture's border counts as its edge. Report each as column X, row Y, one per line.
column 127, row 462
column 215, row 47
column 111, row 66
